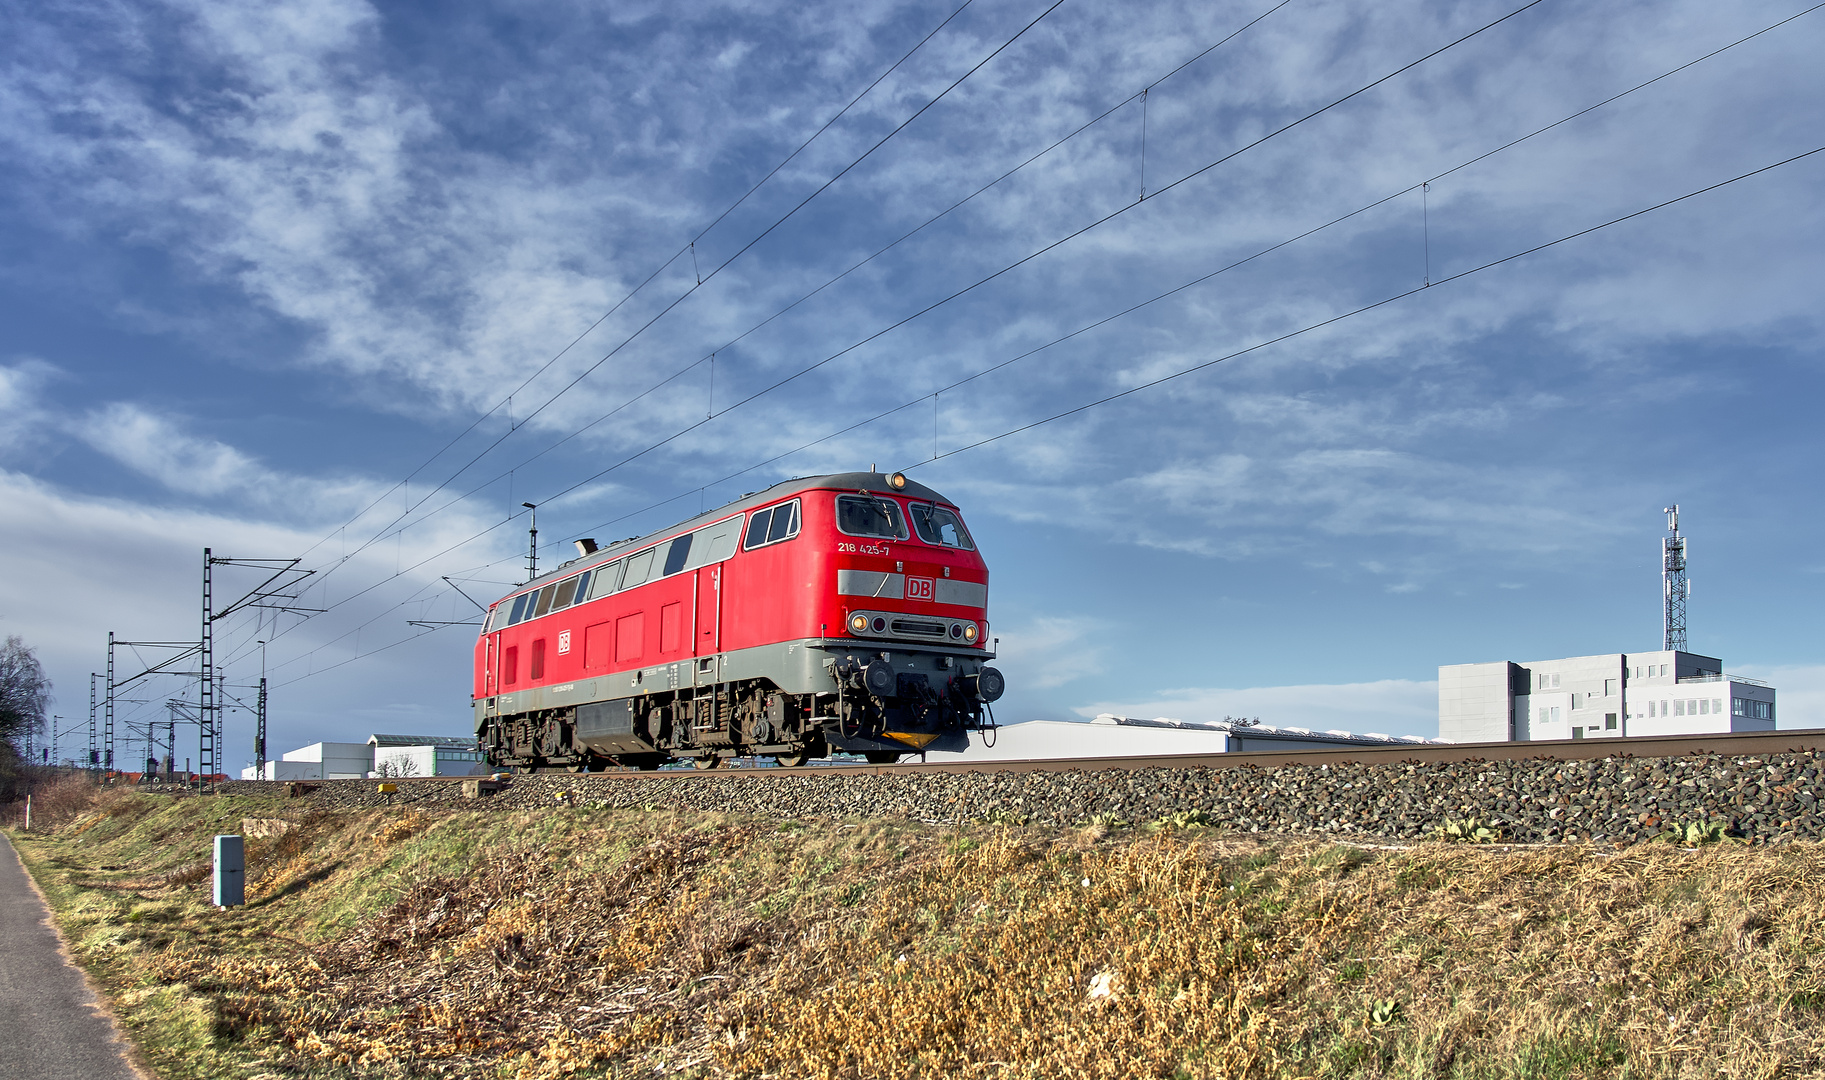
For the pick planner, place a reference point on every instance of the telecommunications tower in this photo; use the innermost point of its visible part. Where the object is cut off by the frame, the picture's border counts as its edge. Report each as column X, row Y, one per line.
column 1674, row 586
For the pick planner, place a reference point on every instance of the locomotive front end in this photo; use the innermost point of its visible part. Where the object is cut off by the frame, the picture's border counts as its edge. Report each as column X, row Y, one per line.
column 911, row 663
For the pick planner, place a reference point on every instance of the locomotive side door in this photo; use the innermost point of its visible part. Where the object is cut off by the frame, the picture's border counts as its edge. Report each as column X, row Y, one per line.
column 491, row 665
column 709, row 609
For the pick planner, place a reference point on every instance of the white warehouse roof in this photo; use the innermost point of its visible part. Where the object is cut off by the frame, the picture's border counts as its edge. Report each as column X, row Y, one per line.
column 1121, row 736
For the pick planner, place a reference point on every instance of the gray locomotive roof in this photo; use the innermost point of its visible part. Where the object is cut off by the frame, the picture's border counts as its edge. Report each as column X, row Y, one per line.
column 851, row 481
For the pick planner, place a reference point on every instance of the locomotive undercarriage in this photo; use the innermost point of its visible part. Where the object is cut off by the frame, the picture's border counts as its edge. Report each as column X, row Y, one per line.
column 874, row 711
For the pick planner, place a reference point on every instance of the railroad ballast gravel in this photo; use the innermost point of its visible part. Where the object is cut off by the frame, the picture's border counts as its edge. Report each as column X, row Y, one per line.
column 1764, row 798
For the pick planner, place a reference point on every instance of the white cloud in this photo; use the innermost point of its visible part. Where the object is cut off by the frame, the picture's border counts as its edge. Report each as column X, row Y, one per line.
column 159, row 447
column 22, row 418
column 1051, row 651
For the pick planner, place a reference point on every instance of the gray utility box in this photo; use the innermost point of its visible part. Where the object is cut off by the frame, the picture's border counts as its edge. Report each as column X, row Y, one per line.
column 230, row 871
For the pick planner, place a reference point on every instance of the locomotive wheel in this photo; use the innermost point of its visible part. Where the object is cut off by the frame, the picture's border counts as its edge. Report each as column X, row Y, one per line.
column 881, row 757
column 709, row 761
column 794, row 759
column 579, row 767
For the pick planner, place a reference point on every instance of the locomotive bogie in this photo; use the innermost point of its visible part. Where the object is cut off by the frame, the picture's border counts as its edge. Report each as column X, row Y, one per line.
column 880, row 570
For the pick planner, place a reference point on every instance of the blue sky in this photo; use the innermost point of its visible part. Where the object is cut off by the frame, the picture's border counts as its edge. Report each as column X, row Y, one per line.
column 259, row 263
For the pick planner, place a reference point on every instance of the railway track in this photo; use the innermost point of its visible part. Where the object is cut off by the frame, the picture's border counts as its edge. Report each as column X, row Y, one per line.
column 1733, row 745
column 1767, row 788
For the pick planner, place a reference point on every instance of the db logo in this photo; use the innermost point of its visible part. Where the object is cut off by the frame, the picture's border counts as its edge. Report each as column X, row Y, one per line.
column 920, row 588
column 563, row 641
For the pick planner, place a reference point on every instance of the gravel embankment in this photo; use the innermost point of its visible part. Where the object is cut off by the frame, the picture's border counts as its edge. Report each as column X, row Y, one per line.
column 1767, row 798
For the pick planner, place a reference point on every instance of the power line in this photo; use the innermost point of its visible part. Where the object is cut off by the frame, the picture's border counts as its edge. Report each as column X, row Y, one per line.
column 1366, row 307
column 1480, row 157
column 928, row 222
column 700, row 281
column 1106, row 399
column 983, row 280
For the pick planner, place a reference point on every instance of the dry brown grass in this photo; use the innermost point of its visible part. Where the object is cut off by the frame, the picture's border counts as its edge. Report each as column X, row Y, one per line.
column 59, row 800
column 704, row 945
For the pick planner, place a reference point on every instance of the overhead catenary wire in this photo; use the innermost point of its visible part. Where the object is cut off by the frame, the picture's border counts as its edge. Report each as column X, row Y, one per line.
column 1447, row 172
column 701, row 279
column 1182, row 372
column 782, row 311
column 990, row 277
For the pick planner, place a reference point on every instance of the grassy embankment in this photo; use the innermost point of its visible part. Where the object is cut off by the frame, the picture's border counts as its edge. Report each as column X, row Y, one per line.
column 587, row 942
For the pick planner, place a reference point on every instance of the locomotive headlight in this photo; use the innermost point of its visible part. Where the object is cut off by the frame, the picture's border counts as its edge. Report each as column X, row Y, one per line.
column 970, row 632
column 858, row 624
column 897, row 481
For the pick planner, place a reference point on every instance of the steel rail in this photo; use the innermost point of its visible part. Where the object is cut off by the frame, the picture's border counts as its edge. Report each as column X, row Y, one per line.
column 1731, row 745
column 1738, row 744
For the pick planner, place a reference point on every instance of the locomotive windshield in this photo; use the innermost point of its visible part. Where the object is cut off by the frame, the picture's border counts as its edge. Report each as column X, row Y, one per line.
column 939, row 526
column 866, row 515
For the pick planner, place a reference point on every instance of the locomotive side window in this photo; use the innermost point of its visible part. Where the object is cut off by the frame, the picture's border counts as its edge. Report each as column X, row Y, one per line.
column 544, row 605
column 639, row 568
column 606, row 579
column 773, row 524
column 864, row 515
column 567, row 591
column 675, row 555
column 939, row 526
column 519, row 608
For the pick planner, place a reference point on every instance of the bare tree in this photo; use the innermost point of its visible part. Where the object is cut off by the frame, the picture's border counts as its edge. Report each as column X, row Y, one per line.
column 25, row 690
column 398, row 765
column 25, row 695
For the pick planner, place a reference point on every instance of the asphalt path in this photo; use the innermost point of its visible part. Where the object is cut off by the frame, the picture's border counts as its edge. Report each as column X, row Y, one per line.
column 51, row 1025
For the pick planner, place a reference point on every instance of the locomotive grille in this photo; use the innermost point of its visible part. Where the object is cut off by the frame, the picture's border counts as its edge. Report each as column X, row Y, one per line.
column 918, row 626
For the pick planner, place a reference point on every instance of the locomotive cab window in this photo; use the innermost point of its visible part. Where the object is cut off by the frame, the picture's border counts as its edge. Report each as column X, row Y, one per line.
column 519, row 608
column 939, row 526
column 866, row 515
column 773, row 524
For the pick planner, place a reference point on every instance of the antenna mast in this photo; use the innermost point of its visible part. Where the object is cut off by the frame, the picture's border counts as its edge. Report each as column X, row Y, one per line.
column 1674, row 586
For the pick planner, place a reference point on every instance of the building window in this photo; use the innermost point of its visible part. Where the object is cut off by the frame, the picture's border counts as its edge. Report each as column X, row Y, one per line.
column 1577, row 702
column 1609, row 721
column 1757, row 710
column 1549, row 682
column 1609, row 688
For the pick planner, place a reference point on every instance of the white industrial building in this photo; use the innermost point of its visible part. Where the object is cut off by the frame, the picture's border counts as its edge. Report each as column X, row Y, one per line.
column 1611, row 696
column 426, row 755
column 1121, row 736
column 383, row 755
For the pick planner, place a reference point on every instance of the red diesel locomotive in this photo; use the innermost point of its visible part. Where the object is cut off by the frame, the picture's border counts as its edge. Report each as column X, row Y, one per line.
column 830, row 613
